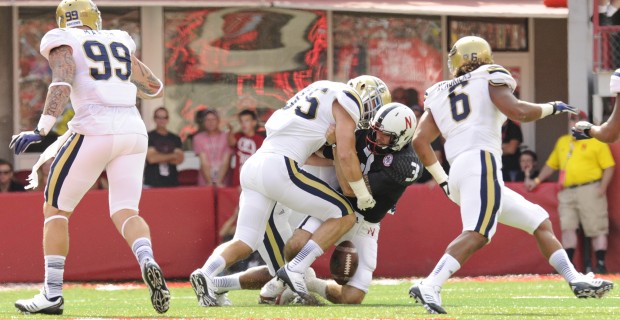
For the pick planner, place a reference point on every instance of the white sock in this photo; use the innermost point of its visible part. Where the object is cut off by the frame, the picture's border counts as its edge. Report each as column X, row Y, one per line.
column 143, row 250
column 559, row 260
column 305, row 257
column 446, row 266
column 610, row 10
column 227, row 283
column 54, row 270
column 318, row 286
column 214, row 265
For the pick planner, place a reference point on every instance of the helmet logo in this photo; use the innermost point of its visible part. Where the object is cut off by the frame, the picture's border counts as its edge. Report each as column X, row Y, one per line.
column 387, row 160
column 408, row 122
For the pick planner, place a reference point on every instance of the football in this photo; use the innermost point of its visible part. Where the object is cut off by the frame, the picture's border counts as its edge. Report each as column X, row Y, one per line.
column 343, row 262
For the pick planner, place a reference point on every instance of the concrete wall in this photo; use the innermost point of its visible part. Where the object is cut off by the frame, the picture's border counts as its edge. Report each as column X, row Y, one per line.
column 551, row 80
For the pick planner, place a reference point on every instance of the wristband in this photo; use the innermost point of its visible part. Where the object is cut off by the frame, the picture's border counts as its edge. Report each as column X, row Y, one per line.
column 546, row 110
column 60, row 83
column 46, row 123
column 161, row 87
column 437, row 172
column 359, row 188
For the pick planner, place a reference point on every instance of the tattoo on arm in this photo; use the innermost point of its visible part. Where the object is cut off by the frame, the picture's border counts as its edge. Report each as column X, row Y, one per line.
column 63, row 70
column 144, row 79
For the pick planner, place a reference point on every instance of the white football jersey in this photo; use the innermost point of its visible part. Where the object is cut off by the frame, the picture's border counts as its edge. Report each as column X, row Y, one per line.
column 614, row 82
column 102, row 96
column 464, row 112
column 298, row 129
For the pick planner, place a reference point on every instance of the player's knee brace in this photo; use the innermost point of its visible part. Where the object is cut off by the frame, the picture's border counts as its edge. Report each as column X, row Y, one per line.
column 125, row 224
column 54, row 217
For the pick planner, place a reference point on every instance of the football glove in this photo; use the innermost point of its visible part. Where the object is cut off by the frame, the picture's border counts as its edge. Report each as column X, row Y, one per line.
column 559, row 106
column 445, row 188
column 364, row 203
column 22, row 140
column 581, row 130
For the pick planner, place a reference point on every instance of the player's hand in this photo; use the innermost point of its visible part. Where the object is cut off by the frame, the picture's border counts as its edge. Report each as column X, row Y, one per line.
column 22, row 140
column 559, row 106
column 364, row 203
column 330, row 135
column 581, row 130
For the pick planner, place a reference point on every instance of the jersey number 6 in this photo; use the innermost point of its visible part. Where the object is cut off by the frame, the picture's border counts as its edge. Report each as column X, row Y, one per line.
column 459, row 114
column 98, row 52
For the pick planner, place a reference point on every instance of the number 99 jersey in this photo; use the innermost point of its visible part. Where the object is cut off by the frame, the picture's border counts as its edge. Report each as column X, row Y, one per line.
column 464, row 112
column 101, row 87
column 298, row 129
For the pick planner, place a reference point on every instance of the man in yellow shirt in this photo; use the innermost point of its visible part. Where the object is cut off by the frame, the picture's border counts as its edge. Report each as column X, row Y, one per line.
column 586, row 168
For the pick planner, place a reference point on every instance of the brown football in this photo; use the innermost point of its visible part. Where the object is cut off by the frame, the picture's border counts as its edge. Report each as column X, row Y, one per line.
column 343, row 262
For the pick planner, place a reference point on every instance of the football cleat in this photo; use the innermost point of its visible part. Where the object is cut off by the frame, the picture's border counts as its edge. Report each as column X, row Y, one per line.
column 270, row 292
column 222, row 299
column 287, row 297
column 154, row 279
column 587, row 286
column 296, row 281
column 40, row 304
column 203, row 287
column 428, row 296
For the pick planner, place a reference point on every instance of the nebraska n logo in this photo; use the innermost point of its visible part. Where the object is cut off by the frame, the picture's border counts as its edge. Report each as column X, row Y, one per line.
column 408, row 122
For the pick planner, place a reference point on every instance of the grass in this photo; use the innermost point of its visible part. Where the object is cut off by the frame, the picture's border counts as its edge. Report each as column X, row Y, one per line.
column 478, row 298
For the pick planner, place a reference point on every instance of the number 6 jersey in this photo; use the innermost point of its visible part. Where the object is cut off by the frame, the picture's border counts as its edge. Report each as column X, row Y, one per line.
column 102, row 94
column 464, row 113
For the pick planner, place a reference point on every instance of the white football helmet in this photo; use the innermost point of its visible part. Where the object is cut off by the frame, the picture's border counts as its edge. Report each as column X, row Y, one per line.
column 395, row 120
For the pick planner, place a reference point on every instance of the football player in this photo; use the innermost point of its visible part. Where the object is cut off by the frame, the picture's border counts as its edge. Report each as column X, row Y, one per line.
column 273, row 175
column 609, row 131
column 390, row 165
column 98, row 71
column 469, row 111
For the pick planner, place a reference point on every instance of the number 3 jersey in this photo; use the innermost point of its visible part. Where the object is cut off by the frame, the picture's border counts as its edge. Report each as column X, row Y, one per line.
column 298, row 129
column 388, row 175
column 464, row 113
column 102, row 96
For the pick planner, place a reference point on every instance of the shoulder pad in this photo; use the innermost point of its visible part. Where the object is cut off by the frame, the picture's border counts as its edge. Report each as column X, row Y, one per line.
column 350, row 100
column 54, row 39
column 498, row 76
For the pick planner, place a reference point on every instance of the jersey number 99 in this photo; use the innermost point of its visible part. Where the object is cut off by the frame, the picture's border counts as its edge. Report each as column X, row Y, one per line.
column 99, row 53
column 71, row 15
column 459, row 114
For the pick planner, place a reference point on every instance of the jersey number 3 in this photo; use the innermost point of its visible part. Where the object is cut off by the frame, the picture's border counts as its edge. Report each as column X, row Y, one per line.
column 99, row 53
column 459, row 103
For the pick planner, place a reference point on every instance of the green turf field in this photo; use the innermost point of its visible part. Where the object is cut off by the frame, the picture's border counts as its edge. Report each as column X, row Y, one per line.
column 518, row 298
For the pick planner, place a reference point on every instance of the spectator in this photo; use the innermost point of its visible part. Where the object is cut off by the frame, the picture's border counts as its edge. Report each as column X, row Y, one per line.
column 211, row 146
column 7, row 184
column 511, row 141
column 527, row 161
column 245, row 142
column 607, row 10
column 586, row 168
column 163, row 155
column 400, row 95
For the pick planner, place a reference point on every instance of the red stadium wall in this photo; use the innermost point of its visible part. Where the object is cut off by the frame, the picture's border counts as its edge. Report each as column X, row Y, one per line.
column 183, row 221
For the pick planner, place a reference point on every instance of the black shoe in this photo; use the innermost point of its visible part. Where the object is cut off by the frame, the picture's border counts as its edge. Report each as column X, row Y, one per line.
column 601, row 269
column 154, row 279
